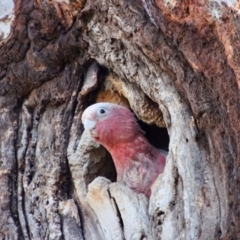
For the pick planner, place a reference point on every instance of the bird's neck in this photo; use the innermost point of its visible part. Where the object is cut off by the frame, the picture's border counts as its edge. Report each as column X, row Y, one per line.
column 125, row 152
column 117, row 130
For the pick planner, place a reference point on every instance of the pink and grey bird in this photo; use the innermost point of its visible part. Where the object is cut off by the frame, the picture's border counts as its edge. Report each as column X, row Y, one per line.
column 137, row 162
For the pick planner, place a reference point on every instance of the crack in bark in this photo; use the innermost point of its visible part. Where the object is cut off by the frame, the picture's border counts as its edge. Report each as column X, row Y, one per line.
column 21, row 166
column 117, row 209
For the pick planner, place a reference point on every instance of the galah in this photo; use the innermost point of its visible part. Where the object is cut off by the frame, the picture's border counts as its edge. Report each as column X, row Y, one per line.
column 137, row 162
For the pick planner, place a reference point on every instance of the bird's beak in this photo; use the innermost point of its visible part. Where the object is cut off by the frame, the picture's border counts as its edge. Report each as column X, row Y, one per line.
column 89, row 125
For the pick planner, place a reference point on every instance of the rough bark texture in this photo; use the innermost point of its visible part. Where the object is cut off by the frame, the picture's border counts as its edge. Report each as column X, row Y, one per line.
column 174, row 63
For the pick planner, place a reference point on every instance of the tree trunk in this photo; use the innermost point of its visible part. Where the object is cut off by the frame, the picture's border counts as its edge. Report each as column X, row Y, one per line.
column 174, row 63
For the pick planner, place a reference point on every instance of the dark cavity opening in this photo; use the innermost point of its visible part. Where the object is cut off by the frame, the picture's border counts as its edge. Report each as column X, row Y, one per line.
column 157, row 136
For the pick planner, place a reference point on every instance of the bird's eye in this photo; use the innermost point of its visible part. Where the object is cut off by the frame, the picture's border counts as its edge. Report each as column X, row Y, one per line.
column 102, row 111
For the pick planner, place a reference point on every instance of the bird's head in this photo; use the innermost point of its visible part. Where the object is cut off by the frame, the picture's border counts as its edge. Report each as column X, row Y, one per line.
column 110, row 123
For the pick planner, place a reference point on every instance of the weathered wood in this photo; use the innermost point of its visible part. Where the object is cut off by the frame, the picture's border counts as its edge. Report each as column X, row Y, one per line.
column 174, row 63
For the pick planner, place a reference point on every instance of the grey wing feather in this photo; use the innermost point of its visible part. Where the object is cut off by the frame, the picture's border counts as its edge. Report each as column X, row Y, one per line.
column 164, row 152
